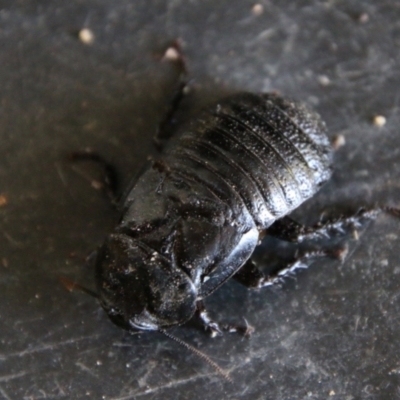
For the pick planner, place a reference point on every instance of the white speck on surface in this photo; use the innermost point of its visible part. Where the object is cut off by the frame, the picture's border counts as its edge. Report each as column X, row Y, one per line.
column 171, row 54
column 363, row 18
column 379, row 120
column 391, row 236
column 257, row 9
column 97, row 185
column 384, row 263
column 86, row 36
column 332, row 393
column 323, row 80
column 338, row 141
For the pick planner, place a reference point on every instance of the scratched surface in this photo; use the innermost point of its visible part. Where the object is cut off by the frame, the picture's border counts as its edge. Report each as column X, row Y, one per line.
column 331, row 333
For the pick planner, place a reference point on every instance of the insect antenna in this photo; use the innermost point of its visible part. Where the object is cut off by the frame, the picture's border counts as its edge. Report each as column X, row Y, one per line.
column 71, row 285
column 200, row 354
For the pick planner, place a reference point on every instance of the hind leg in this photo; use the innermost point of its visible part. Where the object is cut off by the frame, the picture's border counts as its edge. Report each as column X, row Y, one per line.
column 288, row 230
column 251, row 276
column 291, row 231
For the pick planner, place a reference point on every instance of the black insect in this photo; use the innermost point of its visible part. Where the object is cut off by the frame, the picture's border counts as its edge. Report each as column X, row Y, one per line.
column 193, row 219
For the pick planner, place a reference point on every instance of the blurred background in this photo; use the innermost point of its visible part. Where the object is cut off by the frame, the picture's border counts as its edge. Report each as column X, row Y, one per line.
column 332, row 333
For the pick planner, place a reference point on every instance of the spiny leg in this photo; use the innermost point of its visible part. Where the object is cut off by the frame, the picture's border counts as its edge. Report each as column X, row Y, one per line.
column 249, row 275
column 291, row 231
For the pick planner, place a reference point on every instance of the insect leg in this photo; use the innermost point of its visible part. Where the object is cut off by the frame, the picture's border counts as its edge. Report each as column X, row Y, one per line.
column 291, row 231
column 205, row 319
column 109, row 181
column 250, row 276
column 174, row 54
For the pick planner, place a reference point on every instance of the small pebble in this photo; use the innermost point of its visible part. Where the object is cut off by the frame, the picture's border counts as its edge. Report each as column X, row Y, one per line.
column 379, row 120
column 86, row 36
column 3, row 200
column 324, row 80
column 171, row 54
column 257, row 9
column 384, row 263
column 338, row 141
column 97, row 185
column 363, row 18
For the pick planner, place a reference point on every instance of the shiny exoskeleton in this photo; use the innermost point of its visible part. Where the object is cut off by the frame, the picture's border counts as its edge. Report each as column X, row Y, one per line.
column 193, row 219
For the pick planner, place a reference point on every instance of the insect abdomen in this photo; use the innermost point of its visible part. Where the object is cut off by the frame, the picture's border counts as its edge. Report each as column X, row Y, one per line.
column 268, row 153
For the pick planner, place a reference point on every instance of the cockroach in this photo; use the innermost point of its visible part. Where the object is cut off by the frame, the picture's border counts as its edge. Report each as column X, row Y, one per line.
column 194, row 217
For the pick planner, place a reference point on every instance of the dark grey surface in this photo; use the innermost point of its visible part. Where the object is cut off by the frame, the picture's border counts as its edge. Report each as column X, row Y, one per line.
column 333, row 333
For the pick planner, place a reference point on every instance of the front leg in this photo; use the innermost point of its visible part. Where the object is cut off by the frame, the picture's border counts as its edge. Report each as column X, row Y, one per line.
column 214, row 328
column 205, row 319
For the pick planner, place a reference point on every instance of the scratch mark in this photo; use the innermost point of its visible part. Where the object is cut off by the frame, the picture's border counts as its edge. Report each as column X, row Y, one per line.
column 14, row 242
column 83, row 367
column 60, row 389
column 4, row 394
column 356, row 324
column 64, row 180
column 143, row 380
column 254, row 355
column 61, row 174
column 6, row 378
column 27, row 321
column 291, row 39
column 265, row 34
column 49, row 346
column 155, row 389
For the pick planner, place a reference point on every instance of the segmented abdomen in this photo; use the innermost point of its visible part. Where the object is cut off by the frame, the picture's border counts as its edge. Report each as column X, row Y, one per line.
column 262, row 152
